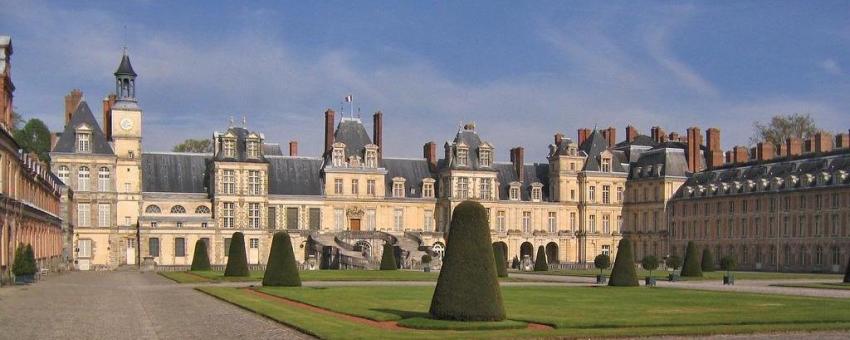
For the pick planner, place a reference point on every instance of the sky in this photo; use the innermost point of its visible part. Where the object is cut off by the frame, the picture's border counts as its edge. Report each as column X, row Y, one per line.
column 521, row 70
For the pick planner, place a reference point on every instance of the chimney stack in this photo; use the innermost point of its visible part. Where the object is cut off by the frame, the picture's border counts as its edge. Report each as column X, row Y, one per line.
column 740, row 155
column 842, row 141
column 693, row 151
column 559, row 137
column 71, row 101
column 378, row 132
column 582, row 135
column 329, row 130
column 823, row 142
column 631, row 133
column 293, row 148
column 611, row 135
column 107, row 115
column 764, row 151
column 674, row 136
column 517, row 156
column 430, row 153
column 714, row 156
column 794, row 147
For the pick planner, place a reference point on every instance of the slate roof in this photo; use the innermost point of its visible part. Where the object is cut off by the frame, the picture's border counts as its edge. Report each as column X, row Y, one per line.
column 125, row 68
column 659, row 163
column 640, row 140
column 561, row 149
column 295, row 175
column 272, row 149
column 412, row 170
column 593, row 147
column 537, row 172
column 352, row 133
column 241, row 147
column 175, row 172
column 67, row 143
column 473, row 142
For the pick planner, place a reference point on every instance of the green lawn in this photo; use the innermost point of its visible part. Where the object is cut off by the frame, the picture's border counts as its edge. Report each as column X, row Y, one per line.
column 717, row 275
column 574, row 311
column 309, row 275
column 818, row 285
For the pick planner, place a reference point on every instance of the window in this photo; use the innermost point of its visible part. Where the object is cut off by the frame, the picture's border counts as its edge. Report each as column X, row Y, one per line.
column 428, row 224
column 606, row 224
column 83, row 142
column 179, row 225
column 398, row 219
column 204, row 225
column 836, row 256
column 255, row 186
column 253, row 149
column 427, row 190
column 834, row 225
column 339, row 219
column 371, row 159
column 462, row 188
column 63, row 174
column 202, row 209
column 591, row 194
column 484, row 189
column 103, row 216
column 84, row 248
column 500, row 220
column 398, row 189
column 591, row 223
column 619, row 223
column 253, row 215
column 486, row 158
column 338, row 157
column 355, row 187
column 370, row 187
column 315, row 218
column 152, row 209
column 83, row 215
column 153, row 224
column 229, row 148
column 526, row 221
column 227, row 247
column 178, row 209
column 229, row 181
column 535, row 194
column 179, row 247
column 271, row 217
column 606, row 194
column 572, row 221
column 606, row 165
column 254, row 243
column 619, row 194
column 153, row 247
column 338, row 186
column 103, row 179
column 370, row 219
column 462, row 156
column 291, row 218
column 606, row 250
column 228, row 214
column 127, row 220
column 514, row 193
column 83, row 179
column 819, row 255
column 553, row 222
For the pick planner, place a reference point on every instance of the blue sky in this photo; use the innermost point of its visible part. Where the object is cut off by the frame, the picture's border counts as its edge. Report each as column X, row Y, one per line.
column 521, row 70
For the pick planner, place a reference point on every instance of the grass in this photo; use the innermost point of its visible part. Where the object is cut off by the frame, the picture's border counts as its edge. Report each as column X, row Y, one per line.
column 428, row 323
column 313, row 275
column 717, row 275
column 574, row 311
column 817, row 285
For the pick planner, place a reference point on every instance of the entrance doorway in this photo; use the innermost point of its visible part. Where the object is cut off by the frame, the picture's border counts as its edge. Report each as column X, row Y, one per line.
column 131, row 251
column 354, row 224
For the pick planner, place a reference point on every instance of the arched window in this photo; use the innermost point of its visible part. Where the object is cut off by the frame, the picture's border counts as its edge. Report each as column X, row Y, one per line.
column 83, row 180
column 152, row 209
column 178, row 209
column 202, row 209
column 439, row 249
column 103, row 179
column 64, row 173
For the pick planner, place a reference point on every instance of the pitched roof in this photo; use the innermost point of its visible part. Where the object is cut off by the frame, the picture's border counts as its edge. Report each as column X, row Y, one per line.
column 272, row 149
column 241, row 147
column 473, row 142
column 537, row 172
column 659, row 163
column 295, row 175
column 412, row 170
column 352, row 133
column 125, row 68
column 175, row 172
column 594, row 146
column 82, row 116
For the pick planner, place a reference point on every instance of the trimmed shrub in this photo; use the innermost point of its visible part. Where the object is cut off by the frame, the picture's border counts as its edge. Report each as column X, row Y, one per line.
column 201, row 258
column 847, row 272
column 540, row 264
column 24, row 261
column 468, row 289
column 388, row 258
column 237, row 260
column 501, row 266
column 602, row 262
column 728, row 263
column 515, row 263
column 281, row 270
column 707, row 261
column 649, row 263
column 691, row 268
column 624, row 274
column 674, row 262
column 426, row 258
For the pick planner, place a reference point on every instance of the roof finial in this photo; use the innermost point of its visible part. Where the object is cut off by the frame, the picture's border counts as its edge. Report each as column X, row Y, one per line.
column 125, row 39
column 245, row 122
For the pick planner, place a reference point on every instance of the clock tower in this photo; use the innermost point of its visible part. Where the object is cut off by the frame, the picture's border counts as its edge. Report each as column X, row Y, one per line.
column 127, row 144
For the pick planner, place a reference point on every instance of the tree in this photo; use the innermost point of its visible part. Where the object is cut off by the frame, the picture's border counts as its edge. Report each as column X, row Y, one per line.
column 388, row 259
column 35, row 137
column 674, row 262
column 194, row 145
column 501, row 265
column 623, row 273
column 515, row 263
column 649, row 263
column 281, row 271
column 201, row 258
column 540, row 264
column 782, row 127
column 24, row 261
column 602, row 262
column 237, row 261
column 691, row 268
column 707, row 260
column 468, row 289
column 17, row 120
column 728, row 264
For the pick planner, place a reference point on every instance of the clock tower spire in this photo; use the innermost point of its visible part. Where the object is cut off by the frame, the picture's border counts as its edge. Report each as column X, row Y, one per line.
column 127, row 144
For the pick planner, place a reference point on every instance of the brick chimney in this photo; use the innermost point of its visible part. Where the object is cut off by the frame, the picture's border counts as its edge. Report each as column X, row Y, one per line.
column 674, row 136
column 693, row 150
column 782, row 150
column 823, row 142
column 611, row 135
column 293, row 148
column 517, row 158
column 842, row 141
column 728, row 157
column 764, row 151
column 740, row 155
column 794, row 147
column 107, row 115
column 631, row 133
column 714, row 153
column 429, row 151
column 582, row 135
column 71, row 101
column 329, row 130
column 559, row 137
column 378, row 132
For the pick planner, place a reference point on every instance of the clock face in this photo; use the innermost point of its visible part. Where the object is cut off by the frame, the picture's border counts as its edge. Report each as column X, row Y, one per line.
column 126, row 124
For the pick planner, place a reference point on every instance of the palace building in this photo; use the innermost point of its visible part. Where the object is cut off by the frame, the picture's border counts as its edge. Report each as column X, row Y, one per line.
column 340, row 207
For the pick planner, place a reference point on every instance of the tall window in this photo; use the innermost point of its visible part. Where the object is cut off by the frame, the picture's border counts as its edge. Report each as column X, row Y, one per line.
column 428, row 224
column 553, row 222
column 103, row 179
column 514, row 193
column 591, row 194
column 229, row 148
column 619, row 223
column 371, row 159
column 64, row 173
column 606, row 165
column 83, row 176
column 427, row 190
column 103, row 216
column 500, row 220
column 398, row 189
column 253, row 149
column 292, row 218
column 606, row 194
column 85, row 248
column 228, row 214
column 619, row 194
column 179, row 247
column 572, row 221
column 371, row 217
column 338, row 157
column 485, row 158
column 370, row 187
column 536, row 194
column 355, row 187
column 83, row 215
column 339, row 219
column 153, row 247
column 462, row 187
column 484, row 189
column 592, row 223
column 338, row 186
column 255, row 187
column 606, row 224
column 398, row 219
column 462, row 156
column 83, row 142
column 254, row 215
column 229, row 181
column 271, row 217
column 526, row 221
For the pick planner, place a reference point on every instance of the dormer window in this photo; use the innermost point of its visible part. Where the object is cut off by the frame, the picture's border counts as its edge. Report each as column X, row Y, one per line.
column 253, row 149
column 83, row 142
column 371, row 159
column 606, row 165
column 536, row 194
column 338, row 156
column 462, row 156
column 229, row 148
column 485, row 157
column 513, row 192
column 398, row 187
column 428, row 188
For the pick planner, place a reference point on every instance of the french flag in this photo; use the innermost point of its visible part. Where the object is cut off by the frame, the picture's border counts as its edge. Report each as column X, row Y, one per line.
column 348, row 98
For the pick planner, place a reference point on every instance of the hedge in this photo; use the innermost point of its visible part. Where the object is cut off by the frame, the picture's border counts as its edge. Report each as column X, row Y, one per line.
column 501, row 264
column 237, row 260
column 24, row 261
column 707, row 261
column 388, row 258
column 281, row 269
column 624, row 274
column 691, row 268
column 540, row 264
column 201, row 258
column 467, row 288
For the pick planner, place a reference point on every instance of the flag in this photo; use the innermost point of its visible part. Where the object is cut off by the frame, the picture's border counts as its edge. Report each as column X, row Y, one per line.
column 348, row 98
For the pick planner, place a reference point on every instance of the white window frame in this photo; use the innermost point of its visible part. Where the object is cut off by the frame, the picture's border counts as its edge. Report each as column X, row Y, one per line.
column 254, row 215
column 84, row 141
column 83, row 214
column 371, row 219
column 370, row 187
column 339, row 219
column 398, row 219
column 83, row 178
column 228, row 181
column 84, row 248
column 355, row 186
column 500, row 220
column 64, row 173
column 526, row 222
column 228, row 213
column 103, row 179
column 553, row 222
column 255, row 186
column 104, row 215
column 229, row 147
column 338, row 186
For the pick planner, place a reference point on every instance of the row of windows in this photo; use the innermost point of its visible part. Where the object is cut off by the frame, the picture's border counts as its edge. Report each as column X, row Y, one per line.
column 552, row 222
column 801, row 255
column 485, row 156
column 83, row 178
column 228, row 182
column 338, row 157
column 812, row 201
column 252, row 147
column 104, row 216
column 180, row 246
column 177, row 209
column 802, row 226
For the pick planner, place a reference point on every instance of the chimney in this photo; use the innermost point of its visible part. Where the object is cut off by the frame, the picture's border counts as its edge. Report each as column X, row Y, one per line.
column 430, row 153
column 674, row 136
column 293, row 148
column 808, row 145
column 794, row 147
column 611, row 136
column 107, row 116
column 329, row 130
column 714, row 156
column 764, row 151
column 559, row 137
column 582, row 135
column 842, row 141
column 693, row 151
column 728, row 157
column 782, row 150
column 631, row 133
column 517, row 156
column 823, row 142
column 71, row 101
column 740, row 155
column 378, row 132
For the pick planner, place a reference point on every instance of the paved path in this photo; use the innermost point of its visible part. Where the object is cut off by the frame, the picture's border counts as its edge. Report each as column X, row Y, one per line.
column 125, row 305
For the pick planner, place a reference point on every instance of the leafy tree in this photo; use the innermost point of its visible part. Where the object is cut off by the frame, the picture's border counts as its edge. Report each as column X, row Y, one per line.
column 691, row 268
column 624, row 273
column 468, row 289
column 282, row 271
column 782, row 127
column 426, row 259
column 17, row 120
column 728, row 263
column 602, row 262
column 501, row 266
column 707, row 260
column 24, row 261
column 674, row 262
column 201, row 258
column 35, row 137
column 388, row 259
column 237, row 260
column 194, row 145
column 649, row 263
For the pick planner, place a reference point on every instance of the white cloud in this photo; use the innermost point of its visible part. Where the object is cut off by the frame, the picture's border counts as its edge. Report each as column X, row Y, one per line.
column 830, row 66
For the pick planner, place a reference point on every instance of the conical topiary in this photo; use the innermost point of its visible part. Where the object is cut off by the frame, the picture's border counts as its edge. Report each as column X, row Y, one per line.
column 707, row 260
column 624, row 274
column 501, row 264
column 540, row 264
column 281, row 269
column 201, row 258
column 388, row 259
column 468, row 289
column 237, row 260
column 691, row 267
